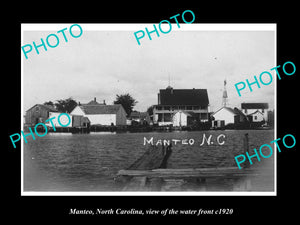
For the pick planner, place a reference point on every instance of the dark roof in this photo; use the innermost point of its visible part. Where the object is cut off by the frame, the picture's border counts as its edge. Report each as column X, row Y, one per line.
column 171, row 96
column 93, row 102
column 255, row 106
column 239, row 112
column 100, row 109
column 47, row 107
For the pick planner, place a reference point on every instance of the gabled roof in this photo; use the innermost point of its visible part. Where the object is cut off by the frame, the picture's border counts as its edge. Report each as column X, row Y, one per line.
column 179, row 97
column 234, row 111
column 239, row 112
column 255, row 105
column 255, row 113
column 93, row 102
column 100, row 109
column 85, row 120
column 47, row 107
column 226, row 108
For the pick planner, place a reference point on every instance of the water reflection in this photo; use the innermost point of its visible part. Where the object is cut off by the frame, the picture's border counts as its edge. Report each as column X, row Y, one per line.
column 89, row 162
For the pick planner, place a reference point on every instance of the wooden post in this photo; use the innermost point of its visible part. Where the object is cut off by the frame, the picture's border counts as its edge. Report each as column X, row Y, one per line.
column 246, row 149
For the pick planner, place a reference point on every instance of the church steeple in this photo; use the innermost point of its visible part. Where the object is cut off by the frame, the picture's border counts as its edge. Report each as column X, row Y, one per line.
column 224, row 100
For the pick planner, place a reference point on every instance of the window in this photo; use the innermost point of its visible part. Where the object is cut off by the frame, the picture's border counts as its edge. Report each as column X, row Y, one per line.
column 255, row 117
column 159, row 119
column 37, row 108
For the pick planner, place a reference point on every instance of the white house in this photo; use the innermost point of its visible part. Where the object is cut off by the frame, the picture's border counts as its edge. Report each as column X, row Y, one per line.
column 250, row 109
column 180, row 118
column 101, row 114
column 70, row 120
column 171, row 102
column 63, row 119
column 229, row 115
column 225, row 113
column 257, row 116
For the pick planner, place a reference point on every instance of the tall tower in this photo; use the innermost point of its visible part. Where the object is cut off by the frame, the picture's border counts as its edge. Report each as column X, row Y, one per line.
column 224, row 100
column 169, row 79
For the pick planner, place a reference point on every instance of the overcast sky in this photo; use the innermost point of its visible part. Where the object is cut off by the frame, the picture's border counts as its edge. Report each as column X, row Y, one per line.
column 102, row 64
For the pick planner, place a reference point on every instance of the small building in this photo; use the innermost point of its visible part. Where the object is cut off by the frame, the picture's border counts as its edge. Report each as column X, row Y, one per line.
column 80, row 121
column 252, row 109
column 38, row 113
column 94, row 102
column 229, row 116
column 218, row 124
column 136, row 117
column 193, row 102
column 101, row 114
column 256, row 116
column 77, row 121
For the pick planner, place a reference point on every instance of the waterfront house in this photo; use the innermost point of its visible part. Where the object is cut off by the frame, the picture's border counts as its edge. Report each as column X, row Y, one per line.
column 141, row 118
column 78, row 121
column 38, row 114
column 192, row 103
column 101, row 114
column 256, row 112
column 256, row 116
column 229, row 116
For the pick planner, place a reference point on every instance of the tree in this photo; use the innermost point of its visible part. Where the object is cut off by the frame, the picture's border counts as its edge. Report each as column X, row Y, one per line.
column 50, row 103
column 65, row 105
column 126, row 101
column 150, row 110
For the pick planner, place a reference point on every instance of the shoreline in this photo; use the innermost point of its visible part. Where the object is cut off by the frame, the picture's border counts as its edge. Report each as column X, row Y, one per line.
column 125, row 129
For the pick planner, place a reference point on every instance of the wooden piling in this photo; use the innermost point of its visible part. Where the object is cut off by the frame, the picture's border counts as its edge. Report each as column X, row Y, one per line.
column 246, row 149
column 150, row 173
column 153, row 158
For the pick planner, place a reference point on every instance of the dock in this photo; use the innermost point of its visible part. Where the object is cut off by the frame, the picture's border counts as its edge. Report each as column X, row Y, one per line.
column 198, row 179
column 150, row 173
column 201, row 173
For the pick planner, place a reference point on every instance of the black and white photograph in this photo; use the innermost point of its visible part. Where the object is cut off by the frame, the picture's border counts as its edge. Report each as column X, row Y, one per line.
column 189, row 112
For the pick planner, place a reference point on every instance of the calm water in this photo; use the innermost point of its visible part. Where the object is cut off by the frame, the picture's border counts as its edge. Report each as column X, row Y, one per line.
column 89, row 162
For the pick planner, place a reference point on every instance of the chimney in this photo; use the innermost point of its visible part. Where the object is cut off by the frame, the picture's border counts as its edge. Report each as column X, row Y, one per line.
column 94, row 99
column 104, row 102
column 78, row 103
column 158, row 97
